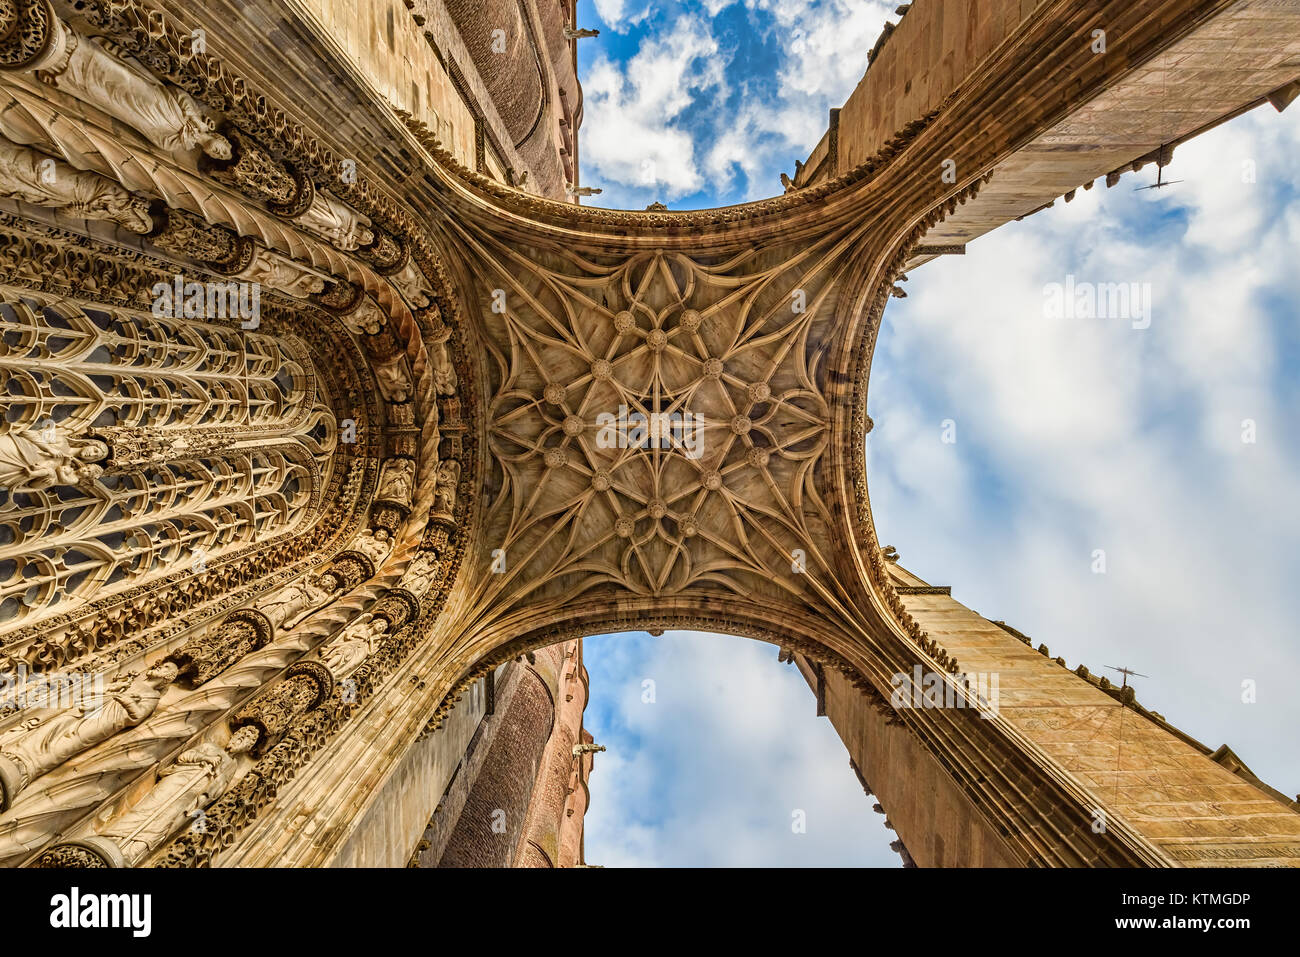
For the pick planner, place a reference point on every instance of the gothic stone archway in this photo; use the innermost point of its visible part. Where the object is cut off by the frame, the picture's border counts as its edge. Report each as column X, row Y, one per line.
column 497, row 345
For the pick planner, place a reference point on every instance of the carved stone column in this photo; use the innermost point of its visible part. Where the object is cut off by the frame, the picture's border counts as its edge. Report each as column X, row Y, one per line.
column 397, row 607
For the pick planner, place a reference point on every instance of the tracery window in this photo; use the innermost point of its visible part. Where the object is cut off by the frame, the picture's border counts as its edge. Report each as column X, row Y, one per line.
column 132, row 445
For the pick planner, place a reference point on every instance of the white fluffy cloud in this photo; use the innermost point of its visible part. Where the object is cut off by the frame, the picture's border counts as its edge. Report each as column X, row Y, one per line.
column 1083, row 434
column 638, row 143
column 713, row 771
column 631, row 136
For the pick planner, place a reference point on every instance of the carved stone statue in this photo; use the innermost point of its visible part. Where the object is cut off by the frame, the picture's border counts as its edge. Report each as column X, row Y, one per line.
column 410, row 282
column 33, row 177
column 167, row 117
column 285, row 275
column 54, row 740
column 354, row 644
column 444, row 496
column 421, row 573
column 336, row 222
column 394, row 381
column 38, row 459
column 397, row 481
column 295, row 602
column 374, row 545
column 444, row 373
column 196, row 779
column 366, row 320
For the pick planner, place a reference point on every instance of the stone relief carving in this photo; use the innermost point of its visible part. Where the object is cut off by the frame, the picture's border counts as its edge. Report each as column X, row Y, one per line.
column 397, row 481
column 423, row 570
column 444, row 373
column 444, row 496
column 291, row 604
column 62, row 736
column 36, row 459
column 410, row 282
column 169, row 118
column 198, row 777
column 394, row 380
column 354, row 644
column 336, row 222
column 283, row 274
column 375, row 545
column 33, row 177
column 141, row 45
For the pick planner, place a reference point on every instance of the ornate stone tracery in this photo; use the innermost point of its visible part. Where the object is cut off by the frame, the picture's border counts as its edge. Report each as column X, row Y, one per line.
column 550, row 436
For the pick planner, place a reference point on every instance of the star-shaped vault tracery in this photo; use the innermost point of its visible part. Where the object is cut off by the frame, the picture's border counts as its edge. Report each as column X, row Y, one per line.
column 657, row 419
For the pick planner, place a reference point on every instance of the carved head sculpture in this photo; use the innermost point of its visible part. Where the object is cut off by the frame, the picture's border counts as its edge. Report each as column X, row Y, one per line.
column 92, row 450
column 86, row 474
column 243, row 740
column 214, row 145
column 162, row 674
column 329, row 581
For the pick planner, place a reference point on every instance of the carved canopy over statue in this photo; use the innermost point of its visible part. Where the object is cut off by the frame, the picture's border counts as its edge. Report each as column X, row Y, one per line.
column 296, row 601
column 37, row 459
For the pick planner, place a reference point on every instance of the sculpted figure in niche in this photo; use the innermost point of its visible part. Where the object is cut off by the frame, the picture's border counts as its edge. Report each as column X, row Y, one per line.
column 366, row 320
column 410, row 282
column 32, row 177
column 43, row 458
column 295, row 602
column 444, row 373
column 336, row 222
column 167, row 117
column 444, row 496
column 197, row 778
column 354, row 644
column 374, row 545
column 285, row 275
column 397, row 481
column 423, row 571
column 123, row 704
column 394, row 382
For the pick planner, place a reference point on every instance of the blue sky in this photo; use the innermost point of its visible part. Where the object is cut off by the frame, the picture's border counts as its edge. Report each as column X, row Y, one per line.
column 1072, row 436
